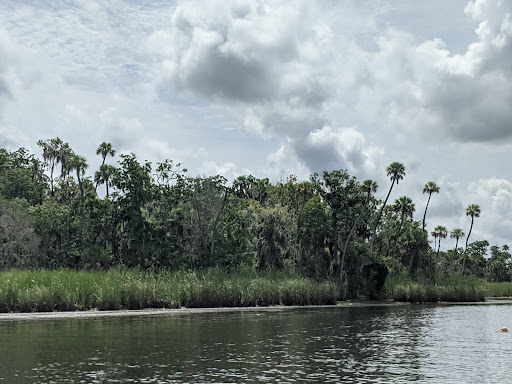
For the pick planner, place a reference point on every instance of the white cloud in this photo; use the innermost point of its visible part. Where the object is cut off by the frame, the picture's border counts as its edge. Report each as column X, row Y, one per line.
column 275, row 87
column 423, row 87
column 228, row 170
column 274, row 64
column 285, row 162
column 494, row 196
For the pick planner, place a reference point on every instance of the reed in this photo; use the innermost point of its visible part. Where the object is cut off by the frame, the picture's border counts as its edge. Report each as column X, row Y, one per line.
column 453, row 289
column 498, row 289
column 119, row 288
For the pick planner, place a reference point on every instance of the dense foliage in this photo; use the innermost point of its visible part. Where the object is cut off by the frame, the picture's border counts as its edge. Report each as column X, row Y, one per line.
column 138, row 214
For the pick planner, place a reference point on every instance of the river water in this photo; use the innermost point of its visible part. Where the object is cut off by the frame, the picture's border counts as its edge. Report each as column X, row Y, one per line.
column 377, row 344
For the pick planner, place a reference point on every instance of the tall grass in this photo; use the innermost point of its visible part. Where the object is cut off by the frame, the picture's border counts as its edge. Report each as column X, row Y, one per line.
column 498, row 289
column 462, row 289
column 67, row 290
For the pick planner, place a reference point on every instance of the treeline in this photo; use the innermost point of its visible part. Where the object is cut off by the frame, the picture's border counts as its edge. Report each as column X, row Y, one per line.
column 154, row 216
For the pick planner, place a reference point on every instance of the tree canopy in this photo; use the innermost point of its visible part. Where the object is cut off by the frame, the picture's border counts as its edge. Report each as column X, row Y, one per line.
column 155, row 216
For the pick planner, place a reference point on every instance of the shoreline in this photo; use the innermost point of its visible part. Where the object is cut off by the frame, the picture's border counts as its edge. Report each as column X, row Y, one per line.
column 158, row 312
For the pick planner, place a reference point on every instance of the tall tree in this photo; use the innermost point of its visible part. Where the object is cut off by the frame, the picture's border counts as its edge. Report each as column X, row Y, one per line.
column 435, row 235
column 341, row 192
column 207, row 198
column 64, row 156
column 396, row 172
column 457, row 234
column 429, row 188
column 78, row 164
column 51, row 157
column 294, row 196
column 105, row 149
column 135, row 191
column 105, row 175
column 440, row 232
column 405, row 207
column 369, row 187
column 472, row 210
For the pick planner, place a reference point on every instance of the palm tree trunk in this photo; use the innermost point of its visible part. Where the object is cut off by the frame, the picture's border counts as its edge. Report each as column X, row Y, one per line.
column 456, row 244
column 425, row 214
column 469, row 234
column 466, row 247
column 437, row 257
column 380, row 212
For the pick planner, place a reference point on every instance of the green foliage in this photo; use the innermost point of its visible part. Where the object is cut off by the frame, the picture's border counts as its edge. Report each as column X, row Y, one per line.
column 272, row 231
column 18, row 242
column 499, row 266
column 56, row 226
column 134, row 195
column 19, row 178
column 314, row 258
column 43, row 290
column 155, row 218
column 503, row 289
column 206, row 200
column 454, row 289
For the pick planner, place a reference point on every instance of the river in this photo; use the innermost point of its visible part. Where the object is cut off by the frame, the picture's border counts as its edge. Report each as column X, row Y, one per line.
column 363, row 344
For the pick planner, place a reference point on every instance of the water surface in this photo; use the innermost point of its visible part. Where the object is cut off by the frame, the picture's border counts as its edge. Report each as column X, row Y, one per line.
column 379, row 344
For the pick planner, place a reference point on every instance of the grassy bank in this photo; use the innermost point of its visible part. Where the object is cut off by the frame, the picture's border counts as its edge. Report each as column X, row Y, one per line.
column 498, row 289
column 461, row 289
column 66, row 290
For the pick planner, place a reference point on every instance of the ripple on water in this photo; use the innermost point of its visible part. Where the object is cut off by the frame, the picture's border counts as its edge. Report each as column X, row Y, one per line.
column 357, row 345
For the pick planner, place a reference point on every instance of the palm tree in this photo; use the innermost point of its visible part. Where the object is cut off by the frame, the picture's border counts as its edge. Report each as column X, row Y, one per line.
column 64, row 156
column 79, row 164
column 405, row 207
column 429, row 188
column 472, row 210
column 440, row 232
column 435, row 235
column 51, row 156
column 457, row 234
column 396, row 172
column 104, row 175
column 105, row 149
column 369, row 187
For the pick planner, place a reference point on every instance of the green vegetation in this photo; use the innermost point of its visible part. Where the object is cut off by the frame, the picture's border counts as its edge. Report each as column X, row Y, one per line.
column 328, row 231
column 498, row 289
column 455, row 289
column 117, row 288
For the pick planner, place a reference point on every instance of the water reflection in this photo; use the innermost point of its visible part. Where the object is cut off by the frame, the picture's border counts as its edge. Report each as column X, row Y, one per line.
column 326, row 345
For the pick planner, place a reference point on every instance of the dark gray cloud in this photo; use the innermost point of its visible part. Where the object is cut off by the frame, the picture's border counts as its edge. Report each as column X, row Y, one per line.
column 476, row 110
column 329, row 149
column 249, row 52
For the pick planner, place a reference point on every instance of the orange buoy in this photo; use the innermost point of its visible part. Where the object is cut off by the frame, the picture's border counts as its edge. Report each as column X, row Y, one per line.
column 504, row 329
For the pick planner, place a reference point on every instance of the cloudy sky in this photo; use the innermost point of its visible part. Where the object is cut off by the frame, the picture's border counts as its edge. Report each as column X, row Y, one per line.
column 273, row 88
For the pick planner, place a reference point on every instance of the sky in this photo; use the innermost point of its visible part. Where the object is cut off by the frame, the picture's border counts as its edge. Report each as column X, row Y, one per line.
column 273, row 88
